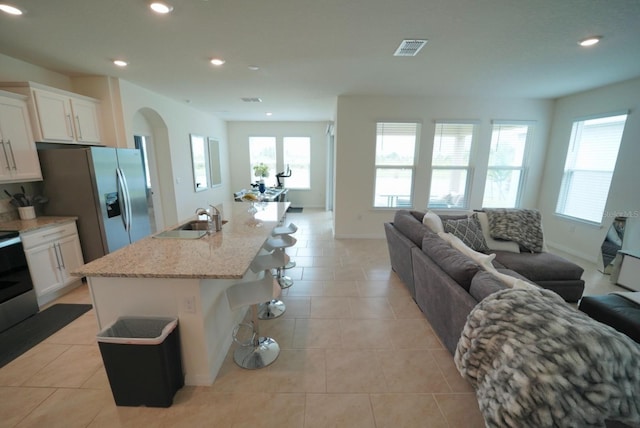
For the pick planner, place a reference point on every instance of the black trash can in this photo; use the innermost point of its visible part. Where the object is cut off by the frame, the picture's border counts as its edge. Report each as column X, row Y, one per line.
column 142, row 358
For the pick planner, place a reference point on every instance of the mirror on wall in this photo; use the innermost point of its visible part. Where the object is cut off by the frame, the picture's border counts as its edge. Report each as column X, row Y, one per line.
column 200, row 161
column 214, row 162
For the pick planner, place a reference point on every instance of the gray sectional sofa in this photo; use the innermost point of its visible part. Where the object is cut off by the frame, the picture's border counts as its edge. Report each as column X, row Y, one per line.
column 446, row 284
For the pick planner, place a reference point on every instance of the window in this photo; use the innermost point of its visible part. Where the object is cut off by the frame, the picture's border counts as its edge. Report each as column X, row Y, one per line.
column 262, row 150
column 505, row 172
column 395, row 154
column 296, row 154
column 591, row 160
column 450, row 165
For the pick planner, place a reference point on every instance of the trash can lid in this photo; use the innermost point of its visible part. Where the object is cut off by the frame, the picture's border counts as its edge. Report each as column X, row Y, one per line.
column 138, row 330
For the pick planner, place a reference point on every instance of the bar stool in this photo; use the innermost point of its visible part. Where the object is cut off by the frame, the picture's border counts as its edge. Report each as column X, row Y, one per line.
column 286, row 230
column 273, row 308
column 281, row 242
column 256, row 352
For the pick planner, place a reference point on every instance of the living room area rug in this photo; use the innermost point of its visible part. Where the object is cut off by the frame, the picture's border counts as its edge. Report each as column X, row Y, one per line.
column 23, row 336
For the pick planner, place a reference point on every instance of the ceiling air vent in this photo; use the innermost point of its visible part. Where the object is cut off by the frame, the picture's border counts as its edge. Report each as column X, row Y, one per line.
column 409, row 47
column 251, row 100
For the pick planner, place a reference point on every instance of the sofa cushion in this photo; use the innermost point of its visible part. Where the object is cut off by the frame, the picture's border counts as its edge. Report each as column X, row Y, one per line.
column 409, row 226
column 468, row 230
column 483, row 284
column 458, row 266
column 540, row 266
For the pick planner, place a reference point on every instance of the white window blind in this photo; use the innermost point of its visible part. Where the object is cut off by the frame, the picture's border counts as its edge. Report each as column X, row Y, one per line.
column 296, row 152
column 506, row 169
column 395, row 164
column 262, row 150
column 591, row 160
column 450, row 165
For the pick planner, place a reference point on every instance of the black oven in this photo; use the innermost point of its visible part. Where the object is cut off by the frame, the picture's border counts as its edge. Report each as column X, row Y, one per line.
column 17, row 296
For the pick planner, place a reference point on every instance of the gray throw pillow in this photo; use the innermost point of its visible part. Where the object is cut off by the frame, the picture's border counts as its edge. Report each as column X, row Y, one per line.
column 469, row 231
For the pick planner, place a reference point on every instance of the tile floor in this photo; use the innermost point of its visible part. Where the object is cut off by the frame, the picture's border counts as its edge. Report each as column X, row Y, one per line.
column 355, row 352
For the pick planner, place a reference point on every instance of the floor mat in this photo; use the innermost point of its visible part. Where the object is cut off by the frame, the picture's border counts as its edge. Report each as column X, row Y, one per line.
column 25, row 335
column 294, row 210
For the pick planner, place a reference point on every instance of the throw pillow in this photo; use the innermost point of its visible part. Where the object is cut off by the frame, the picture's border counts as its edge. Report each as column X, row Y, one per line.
column 484, row 260
column 433, row 222
column 468, row 230
column 494, row 244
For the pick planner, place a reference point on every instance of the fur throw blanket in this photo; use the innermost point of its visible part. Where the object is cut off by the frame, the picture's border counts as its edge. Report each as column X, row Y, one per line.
column 535, row 361
column 517, row 225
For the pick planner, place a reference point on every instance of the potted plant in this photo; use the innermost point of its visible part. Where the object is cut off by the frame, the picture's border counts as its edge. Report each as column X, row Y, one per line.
column 261, row 170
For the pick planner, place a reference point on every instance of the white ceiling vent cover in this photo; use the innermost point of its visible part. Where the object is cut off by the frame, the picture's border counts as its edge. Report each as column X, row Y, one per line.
column 410, row 47
column 252, row 100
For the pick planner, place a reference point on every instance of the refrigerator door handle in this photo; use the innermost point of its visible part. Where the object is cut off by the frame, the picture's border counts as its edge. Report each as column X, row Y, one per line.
column 122, row 199
column 126, row 189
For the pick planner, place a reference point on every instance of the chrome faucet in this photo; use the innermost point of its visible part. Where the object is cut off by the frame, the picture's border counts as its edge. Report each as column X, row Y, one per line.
column 216, row 218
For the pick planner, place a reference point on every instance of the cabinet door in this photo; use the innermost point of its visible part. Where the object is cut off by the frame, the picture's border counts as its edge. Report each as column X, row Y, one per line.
column 54, row 114
column 18, row 155
column 45, row 268
column 70, row 256
column 86, row 122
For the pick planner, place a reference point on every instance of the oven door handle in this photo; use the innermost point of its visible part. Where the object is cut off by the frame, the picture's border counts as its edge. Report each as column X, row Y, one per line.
column 9, row 242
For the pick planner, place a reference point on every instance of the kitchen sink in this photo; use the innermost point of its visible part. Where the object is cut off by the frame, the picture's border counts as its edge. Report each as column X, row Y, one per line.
column 196, row 225
column 194, row 229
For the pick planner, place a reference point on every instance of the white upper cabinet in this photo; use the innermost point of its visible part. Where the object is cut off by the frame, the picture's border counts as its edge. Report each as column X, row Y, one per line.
column 60, row 116
column 67, row 119
column 18, row 155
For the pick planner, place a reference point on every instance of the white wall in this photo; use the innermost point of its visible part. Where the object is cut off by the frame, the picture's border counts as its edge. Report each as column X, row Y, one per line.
column 180, row 120
column 355, row 150
column 578, row 238
column 239, row 133
column 15, row 70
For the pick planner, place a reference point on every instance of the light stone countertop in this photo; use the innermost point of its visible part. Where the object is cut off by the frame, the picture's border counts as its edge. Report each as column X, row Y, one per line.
column 223, row 255
column 30, row 225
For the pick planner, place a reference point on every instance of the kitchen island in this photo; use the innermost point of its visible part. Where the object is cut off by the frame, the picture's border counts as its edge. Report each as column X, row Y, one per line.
column 186, row 279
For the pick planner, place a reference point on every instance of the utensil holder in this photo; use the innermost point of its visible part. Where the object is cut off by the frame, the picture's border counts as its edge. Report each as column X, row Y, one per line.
column 27, row 213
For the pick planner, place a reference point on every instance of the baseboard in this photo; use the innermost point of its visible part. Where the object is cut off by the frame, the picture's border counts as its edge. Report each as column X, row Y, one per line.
column 584, row 256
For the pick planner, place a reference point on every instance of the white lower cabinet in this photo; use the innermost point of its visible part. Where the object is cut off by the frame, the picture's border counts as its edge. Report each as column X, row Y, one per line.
column 52, row 253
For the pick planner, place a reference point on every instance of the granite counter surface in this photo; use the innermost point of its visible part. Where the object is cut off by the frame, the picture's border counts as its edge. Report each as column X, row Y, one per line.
column 36, row 223
column 222, row 255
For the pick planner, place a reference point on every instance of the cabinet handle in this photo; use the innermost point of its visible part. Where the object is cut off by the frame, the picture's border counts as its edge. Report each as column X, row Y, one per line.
column 4, row 149
column 61, row 255
column 55, row 250
column 70, row 126
column 79, row 128
column 13, row 158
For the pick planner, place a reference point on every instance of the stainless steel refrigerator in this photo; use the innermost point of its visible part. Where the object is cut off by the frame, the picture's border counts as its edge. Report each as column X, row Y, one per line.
column 105, row 188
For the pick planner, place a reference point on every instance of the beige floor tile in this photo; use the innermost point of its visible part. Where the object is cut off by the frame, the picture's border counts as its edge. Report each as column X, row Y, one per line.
column 340, row 289
column 280, row 329
column 330, row 307
column 352, row 371
column 17, row 403
column 412, row 334
column 306, row 252
column 305, row 289
column 407, row 410
column 270, row 410
column 407, row 370
column 454, row 379
column 370, row 308
column 297, row 307
column 233, row 378
column 17, row 371
column 317, row 333
column 98, row 380
column 338, row 410
column 460, row 410
column 381, row 288
column 318, row 274
column 297, row 370
column 70, row 370
column 365, row 334
column 302, row 261
column 405, row 307
column 328, row 261
column 68, row 408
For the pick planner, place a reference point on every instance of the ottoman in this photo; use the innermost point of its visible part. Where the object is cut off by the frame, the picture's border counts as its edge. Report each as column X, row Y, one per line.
column 615, row 311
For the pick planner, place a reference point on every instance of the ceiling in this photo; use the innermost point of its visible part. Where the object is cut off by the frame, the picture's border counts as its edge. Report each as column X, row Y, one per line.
column 310, row 52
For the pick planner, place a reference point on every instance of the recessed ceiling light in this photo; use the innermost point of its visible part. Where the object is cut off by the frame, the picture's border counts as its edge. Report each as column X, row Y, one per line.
column 11, row 10
column 269, row 113
column 254, row 68
column 590, row 41
column 217, row 62
column 160, row 7
column 120, row 63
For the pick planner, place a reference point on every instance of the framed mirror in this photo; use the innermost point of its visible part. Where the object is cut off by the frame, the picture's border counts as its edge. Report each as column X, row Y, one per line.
column 200, row 161
column 214, row 163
